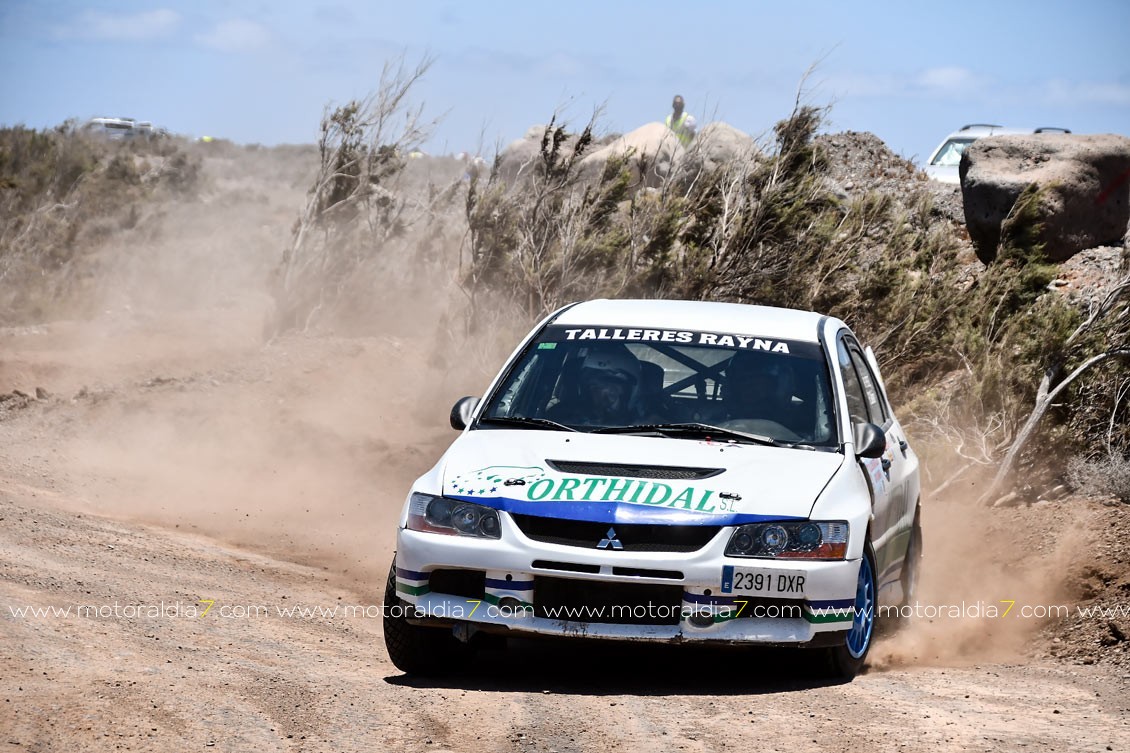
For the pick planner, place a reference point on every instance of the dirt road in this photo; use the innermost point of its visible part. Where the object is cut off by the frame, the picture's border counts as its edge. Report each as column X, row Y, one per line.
column 261, row 483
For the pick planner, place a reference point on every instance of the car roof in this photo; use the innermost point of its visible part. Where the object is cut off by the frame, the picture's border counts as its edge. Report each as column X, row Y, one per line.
column 701, row 316
column 980, row 130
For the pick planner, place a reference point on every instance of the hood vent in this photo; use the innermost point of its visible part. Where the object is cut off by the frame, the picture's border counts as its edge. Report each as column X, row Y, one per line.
column 628, row 470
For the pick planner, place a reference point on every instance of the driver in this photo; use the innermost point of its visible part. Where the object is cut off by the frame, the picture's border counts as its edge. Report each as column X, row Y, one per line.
column 607, row 384
column 759, row 386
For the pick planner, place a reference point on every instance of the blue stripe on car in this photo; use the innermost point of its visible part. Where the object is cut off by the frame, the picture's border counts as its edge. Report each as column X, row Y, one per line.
column 612, row 512
column 410, row 574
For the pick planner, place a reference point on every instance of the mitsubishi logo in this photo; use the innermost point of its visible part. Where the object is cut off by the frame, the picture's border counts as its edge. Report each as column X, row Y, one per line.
column 610, row 542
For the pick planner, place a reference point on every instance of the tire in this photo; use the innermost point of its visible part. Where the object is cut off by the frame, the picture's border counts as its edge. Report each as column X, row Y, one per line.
column 890, row 624
column 846, row 660
column 416, row 650
column 912, row 565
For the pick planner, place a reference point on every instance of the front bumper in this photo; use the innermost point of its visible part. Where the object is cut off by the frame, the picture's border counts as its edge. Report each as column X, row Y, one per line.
column 516, row 585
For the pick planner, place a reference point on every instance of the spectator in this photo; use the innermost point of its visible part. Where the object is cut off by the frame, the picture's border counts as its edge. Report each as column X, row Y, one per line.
column 682, row 123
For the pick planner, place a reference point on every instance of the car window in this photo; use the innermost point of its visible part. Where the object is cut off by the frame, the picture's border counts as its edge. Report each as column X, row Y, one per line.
column 871, row 393
column 949, row 155
column 853, row 389
column 607, row 377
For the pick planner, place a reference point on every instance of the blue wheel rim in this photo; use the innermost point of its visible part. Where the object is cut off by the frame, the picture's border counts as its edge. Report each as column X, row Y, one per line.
column 863, row 618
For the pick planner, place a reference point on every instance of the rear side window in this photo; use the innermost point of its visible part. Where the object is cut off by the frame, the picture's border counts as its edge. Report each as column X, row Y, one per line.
column 865, row 399
column 853, row 390
column 875, row 407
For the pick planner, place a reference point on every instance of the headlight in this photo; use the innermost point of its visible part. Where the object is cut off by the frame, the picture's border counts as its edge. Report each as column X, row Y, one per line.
column 427, row 512
column 806, row 539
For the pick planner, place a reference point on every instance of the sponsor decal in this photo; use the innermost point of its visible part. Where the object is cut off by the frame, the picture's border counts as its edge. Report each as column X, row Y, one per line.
column 538, row 486
column 680, row 337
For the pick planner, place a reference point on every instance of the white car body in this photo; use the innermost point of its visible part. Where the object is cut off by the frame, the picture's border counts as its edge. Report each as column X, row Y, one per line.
column 572, row 505
column 945, row 159
column 115, row 129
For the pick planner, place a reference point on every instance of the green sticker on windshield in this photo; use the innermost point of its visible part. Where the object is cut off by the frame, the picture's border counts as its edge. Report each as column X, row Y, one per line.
column 546, row 346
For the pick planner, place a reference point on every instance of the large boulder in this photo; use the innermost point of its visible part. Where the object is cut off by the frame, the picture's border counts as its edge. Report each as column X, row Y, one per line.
column 719, row 143
column 653, row 151
column 518, row 159
column 1083, row 184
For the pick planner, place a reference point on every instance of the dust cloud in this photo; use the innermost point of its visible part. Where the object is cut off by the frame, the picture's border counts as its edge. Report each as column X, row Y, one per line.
column 174, row 409
column 991, row 581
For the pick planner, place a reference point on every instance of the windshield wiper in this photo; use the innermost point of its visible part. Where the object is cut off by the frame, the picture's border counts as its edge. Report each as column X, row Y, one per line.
column 528, row 421
column 691, row 429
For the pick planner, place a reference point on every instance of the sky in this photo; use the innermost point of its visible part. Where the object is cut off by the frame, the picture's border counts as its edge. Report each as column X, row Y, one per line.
column 264, row 72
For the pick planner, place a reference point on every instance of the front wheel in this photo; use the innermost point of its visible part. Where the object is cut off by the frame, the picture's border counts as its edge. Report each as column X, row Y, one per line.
column 846, row 660
column 414, row 649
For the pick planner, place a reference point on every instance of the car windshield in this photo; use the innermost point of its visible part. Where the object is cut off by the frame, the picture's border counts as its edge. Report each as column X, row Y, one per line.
column 668, row 383
column 949, row 155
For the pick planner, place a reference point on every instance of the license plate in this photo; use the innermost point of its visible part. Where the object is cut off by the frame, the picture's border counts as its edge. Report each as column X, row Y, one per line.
column 762, row 581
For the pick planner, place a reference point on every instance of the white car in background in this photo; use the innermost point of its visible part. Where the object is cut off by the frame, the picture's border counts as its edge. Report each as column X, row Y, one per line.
column 943, row 163
column 668, row 471
column 120, row 129
column 115, row 129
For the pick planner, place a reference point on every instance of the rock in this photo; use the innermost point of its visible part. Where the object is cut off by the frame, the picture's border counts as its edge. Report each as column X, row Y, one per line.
column 1012, row 499
column 719, row 143
column 652, row 147
column 41, row 394
column 519, row 158
column 1084, row 181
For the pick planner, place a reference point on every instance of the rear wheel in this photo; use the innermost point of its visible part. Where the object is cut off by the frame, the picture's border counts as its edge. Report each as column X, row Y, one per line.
column 913, row 562
column 414, row 649
column 846, row 660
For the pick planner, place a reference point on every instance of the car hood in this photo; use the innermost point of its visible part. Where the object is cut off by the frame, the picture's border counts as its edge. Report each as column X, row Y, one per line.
column 628, row 479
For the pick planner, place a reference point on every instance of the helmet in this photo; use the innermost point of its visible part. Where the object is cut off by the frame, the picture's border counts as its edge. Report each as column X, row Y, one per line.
column 763, row 374
column 608, row 381
column 615, row 362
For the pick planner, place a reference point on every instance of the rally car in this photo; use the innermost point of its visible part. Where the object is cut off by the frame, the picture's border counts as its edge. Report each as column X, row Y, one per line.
column 671, row 471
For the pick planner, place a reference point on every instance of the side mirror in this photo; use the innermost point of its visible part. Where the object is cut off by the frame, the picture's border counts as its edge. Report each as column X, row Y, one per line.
column 870, row 441
column 462, row 411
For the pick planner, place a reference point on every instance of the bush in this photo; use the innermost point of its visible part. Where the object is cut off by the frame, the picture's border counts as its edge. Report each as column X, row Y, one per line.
column 62, row 193
column 1105, row 476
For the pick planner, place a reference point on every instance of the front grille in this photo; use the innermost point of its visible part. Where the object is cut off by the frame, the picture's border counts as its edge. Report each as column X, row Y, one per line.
column 607, row 603
column 573, row 567
column 470, row 584
column 633, row 537
column 646, row 572
column 628, row 470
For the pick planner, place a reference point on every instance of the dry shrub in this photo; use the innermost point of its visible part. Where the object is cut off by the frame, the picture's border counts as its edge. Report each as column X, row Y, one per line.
column 365, row 243
column 62, row 194
column 1107, row 476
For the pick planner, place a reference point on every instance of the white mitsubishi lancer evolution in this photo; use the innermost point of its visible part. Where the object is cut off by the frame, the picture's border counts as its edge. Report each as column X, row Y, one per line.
column 670, row 471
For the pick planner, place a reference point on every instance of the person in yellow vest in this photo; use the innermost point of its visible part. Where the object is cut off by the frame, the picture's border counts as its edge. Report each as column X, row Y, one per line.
column 682, row 123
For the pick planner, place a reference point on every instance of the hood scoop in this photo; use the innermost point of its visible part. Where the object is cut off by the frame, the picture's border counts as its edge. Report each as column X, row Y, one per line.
column 628, row 470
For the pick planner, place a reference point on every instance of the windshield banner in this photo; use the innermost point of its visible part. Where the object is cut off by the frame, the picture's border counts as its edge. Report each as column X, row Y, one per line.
column 730, row 341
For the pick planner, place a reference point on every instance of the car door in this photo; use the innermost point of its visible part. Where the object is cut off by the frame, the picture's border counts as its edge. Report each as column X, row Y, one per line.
column 873, row 468
column 904, row 468
column 892, row 524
